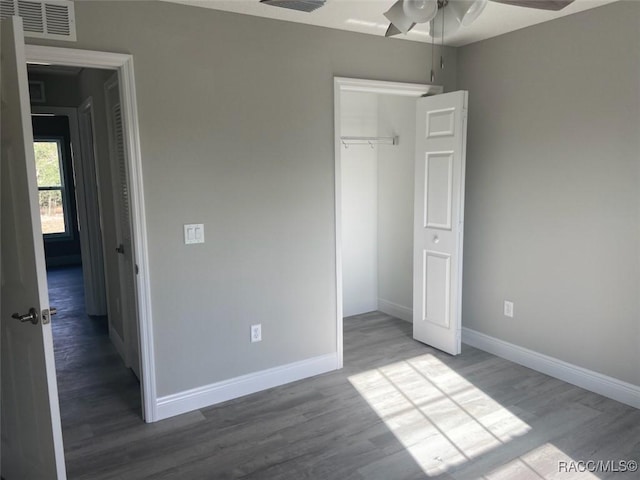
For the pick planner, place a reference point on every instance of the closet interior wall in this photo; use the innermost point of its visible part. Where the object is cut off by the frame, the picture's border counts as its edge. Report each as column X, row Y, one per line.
column 377, row 205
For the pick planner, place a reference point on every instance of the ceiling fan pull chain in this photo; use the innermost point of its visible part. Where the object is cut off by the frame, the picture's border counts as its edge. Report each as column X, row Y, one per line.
column 442, row 41
column 433, row 74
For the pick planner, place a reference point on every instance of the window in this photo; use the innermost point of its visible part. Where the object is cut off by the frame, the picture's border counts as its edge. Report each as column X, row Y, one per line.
column 51, row 187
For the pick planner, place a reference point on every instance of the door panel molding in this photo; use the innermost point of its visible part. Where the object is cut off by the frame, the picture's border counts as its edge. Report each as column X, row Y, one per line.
column 436, row 296
column 441, row 123
column 123, row 64
column 431, row 195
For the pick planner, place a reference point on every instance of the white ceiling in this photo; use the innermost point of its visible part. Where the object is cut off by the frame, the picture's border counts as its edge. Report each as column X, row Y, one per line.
column 366, row 16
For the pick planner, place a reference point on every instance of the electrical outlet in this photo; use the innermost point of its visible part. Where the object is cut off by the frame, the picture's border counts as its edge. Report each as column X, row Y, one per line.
column 256, row 333
column 508, row 309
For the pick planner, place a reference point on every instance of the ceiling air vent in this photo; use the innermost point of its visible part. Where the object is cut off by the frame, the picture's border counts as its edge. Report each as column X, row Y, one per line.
column 53, row 19
column 300, row 5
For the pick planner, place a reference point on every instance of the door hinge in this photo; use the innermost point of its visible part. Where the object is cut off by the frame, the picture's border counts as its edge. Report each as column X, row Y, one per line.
column 137, row 269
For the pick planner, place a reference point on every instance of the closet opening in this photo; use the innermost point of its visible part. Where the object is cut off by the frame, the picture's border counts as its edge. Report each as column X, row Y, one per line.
column 375, row 163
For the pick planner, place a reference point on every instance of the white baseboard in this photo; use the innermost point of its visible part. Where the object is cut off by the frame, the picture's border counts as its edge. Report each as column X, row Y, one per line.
column 588, row 379
column 118, row 342
column 208, row 395
column 395, row 310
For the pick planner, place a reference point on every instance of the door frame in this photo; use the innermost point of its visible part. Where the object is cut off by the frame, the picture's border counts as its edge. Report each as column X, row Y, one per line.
column 123, row 64
column 340, row 85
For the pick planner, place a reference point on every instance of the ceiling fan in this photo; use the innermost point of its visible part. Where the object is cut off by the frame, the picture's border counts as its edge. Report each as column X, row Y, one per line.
column 448, row 15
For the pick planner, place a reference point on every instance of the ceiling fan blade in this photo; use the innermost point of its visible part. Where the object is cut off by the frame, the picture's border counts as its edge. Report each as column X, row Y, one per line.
column 393, row 30
column 539, row 4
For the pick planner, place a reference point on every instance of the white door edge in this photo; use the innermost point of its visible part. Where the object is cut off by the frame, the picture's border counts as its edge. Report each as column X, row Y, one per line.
column 123, row 63
column 344, row 84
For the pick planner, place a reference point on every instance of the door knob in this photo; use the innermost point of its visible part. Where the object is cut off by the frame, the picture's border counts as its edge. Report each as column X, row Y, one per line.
column 120, row 249
column 436, row 239
column 32, row 316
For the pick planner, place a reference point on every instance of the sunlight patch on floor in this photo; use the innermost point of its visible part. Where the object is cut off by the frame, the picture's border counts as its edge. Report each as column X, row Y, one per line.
column 541, row 462
column 440, row 418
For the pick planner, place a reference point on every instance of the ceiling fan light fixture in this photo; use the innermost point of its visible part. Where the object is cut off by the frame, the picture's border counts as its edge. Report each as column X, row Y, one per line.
column 398, row 18
column 420, row 11
column 466, row 11
column 472, row 12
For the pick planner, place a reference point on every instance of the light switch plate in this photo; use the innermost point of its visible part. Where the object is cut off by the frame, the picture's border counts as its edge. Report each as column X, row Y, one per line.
column 193, row 233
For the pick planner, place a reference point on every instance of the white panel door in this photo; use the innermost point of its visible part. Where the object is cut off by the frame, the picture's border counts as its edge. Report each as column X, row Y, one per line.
column 126, row 261
column 31, row 432
column 441, row 138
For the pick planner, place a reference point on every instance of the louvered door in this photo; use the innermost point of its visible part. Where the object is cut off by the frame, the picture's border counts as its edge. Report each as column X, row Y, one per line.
column 124, row 247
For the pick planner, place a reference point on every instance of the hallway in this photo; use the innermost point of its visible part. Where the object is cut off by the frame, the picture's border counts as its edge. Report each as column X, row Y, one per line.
column 97, row 392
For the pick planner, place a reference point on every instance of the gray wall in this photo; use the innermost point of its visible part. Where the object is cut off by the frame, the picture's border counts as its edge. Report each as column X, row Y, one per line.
column 553, row 188
column 236, row 125
column 60, row 90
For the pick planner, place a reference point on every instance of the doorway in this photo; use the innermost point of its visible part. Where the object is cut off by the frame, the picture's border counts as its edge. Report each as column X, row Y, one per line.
column 77, row 218
column 121, row 66
column 375, row 155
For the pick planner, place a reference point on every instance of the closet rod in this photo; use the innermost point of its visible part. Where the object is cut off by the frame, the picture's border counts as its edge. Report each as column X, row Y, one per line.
column 346, row 141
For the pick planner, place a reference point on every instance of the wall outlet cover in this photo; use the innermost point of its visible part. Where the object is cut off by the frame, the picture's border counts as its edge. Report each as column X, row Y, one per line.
column 256, row 333
column 508, row 309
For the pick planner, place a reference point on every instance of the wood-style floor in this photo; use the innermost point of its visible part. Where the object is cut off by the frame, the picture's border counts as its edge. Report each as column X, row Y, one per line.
column 398, row 410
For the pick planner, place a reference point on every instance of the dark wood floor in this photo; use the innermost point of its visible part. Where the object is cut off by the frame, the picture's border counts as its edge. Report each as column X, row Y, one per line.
column 398, row 410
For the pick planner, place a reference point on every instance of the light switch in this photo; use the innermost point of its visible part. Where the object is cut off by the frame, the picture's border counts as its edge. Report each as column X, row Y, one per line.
column 193, row 233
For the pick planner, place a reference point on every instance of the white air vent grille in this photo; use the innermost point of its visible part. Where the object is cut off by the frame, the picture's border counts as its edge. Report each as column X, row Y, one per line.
column 31, row 13
column 57, row 19
column 7, row 8
column 53, row 19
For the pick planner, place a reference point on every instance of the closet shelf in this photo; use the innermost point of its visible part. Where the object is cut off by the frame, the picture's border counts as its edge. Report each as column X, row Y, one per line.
column 371, row 141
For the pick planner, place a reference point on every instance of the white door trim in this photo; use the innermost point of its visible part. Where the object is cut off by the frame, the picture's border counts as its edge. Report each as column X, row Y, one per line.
column 123, row 63
column 342, row 84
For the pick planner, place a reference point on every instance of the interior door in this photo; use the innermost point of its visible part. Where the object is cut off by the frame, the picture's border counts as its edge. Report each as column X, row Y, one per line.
column 441, row 138
column 31, row 431
column 126, row 261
